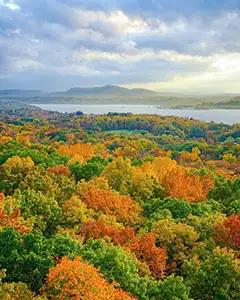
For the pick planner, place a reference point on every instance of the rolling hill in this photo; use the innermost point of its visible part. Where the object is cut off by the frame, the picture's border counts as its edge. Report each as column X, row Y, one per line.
column 105, row 91
column 113, row 94
column 233, row 102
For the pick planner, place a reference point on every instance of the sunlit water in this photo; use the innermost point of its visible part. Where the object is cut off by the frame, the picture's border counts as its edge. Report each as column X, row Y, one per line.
column 228, row 116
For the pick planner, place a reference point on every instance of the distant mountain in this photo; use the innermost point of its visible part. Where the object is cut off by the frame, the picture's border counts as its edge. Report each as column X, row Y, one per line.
column 105, row 91
column 21, row 93
column 233, row 102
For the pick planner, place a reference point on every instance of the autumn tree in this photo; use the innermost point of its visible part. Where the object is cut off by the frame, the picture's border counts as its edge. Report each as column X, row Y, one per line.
column 119, row 264
column 154, row 257
column 143, row 187
column 229, row 231
column 15, row 291
column 112, row 203
column 80, row 151
column 24, row 140
column 191, row 159
column 13, row 171
column 206, row 225
column 11, row 219
column 229, row 158
column 183, row 185
column 119, row 173
column 143, row 246
column 45, row 211
column 74, row 211
column 59, row 170
column 178, row 238
column 80, row 280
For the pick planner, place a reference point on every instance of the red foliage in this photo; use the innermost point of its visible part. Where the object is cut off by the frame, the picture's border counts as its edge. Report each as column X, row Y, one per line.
column 154, row 257
column 59, row 170
column 143, row 247
column 229, row 232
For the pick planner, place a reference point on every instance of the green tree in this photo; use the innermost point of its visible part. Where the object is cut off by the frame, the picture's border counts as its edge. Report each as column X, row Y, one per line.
column 172, row 288
column 215, row 276
column 28, row 257
column 118, row 265
column 44, row 210
column 225, row 191
column 93, row 167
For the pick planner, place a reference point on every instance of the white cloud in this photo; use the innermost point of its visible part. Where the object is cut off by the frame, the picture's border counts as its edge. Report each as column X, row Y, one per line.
column 136, row 55
column 114, row 46
column 9, row 4
column 222, row 75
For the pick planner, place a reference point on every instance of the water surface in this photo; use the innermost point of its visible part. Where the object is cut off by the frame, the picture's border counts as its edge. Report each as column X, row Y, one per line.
column 228, row 116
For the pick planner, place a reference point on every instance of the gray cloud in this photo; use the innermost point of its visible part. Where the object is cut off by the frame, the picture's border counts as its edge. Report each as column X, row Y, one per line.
column 58, row 43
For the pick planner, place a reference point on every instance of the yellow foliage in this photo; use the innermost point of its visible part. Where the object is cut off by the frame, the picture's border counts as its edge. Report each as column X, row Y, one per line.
column 168, row 231
column 118, row 173
column 78, row 151
column 75, row 211
column 95, row 183
column 17, row 164
column 23, row 140
column 161, row 166
column 229, row 158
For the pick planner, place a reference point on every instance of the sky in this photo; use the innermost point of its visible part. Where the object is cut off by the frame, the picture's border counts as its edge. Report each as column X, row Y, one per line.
column 166, row 45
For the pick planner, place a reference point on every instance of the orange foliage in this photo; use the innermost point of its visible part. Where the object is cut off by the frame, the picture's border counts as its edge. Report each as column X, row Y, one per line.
column 12, row 219
column 143, row 247
column 59, row 170
column 122, row 207
column 124, row 236
column 5, row 139
column 191, row 187
column 77, row 152
column 78, row 280
column 227, row 174
column 177, row 180
column 227, row 169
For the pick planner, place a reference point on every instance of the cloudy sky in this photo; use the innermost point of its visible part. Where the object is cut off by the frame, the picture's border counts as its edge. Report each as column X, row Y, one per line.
column 175, row 45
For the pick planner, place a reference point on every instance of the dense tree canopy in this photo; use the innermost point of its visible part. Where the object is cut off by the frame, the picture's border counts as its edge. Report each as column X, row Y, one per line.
column 118, row 206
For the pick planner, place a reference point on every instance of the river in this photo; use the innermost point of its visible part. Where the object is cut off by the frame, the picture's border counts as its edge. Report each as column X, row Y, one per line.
column 227, row 116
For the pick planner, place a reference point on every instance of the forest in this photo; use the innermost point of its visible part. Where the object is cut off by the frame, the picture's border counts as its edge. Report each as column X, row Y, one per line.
column 118, row 207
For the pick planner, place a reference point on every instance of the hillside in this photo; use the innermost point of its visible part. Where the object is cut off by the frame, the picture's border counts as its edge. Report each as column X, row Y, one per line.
column 113, row 94
column 234, row 102
column 104, row 91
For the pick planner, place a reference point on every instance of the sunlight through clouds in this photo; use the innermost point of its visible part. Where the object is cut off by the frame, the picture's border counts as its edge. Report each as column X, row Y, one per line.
column 129, row 43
